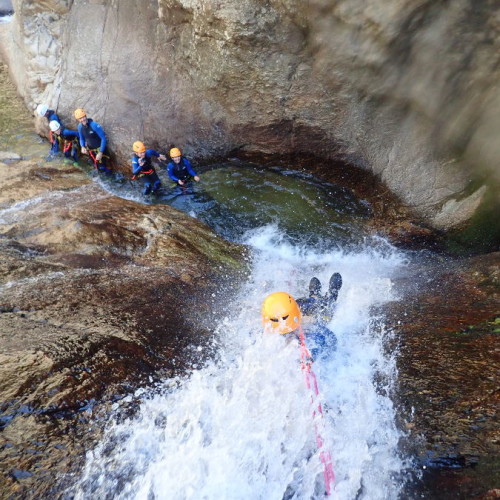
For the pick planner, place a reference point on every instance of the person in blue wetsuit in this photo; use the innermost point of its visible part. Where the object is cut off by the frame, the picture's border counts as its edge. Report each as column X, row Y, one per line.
column 283, row 314
column 44, row 111
column 142, row 167
column 180, row 169
column 63, row 141
column 319, row 309
column 93, row 140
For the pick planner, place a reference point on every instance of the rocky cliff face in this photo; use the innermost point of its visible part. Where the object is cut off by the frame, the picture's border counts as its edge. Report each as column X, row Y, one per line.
column 407, row 90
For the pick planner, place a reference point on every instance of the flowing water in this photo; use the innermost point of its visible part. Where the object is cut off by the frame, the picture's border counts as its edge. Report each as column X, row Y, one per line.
column 241, row 426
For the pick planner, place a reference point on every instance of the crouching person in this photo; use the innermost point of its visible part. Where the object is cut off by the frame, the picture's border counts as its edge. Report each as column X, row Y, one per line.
column 63, row 141
column 143, row 169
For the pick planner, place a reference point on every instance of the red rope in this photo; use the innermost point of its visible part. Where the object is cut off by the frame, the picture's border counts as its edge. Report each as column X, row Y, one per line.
column 92, row 155
column 312, row 385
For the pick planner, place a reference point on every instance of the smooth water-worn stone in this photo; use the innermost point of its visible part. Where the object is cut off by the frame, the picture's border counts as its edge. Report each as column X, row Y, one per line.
column 447, row 337
column 6, row 155
column 94, row 291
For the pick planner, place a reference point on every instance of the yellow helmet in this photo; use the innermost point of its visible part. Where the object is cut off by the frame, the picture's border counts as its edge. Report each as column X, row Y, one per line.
column 175, row 152
column 139, row 147
column 280, row 313
column 80, row 113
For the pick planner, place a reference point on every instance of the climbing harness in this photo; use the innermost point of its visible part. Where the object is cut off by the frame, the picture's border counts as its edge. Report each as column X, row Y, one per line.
column 317, row 410
column 93, row 156
column 64, row 144
column 142, row 173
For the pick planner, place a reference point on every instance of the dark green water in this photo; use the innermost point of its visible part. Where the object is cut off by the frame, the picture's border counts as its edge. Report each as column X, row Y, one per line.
column 235, row 197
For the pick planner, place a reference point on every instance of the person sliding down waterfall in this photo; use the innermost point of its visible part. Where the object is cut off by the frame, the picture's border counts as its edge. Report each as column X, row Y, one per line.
column 143, row 169
column 180, row 169
column 283, row 314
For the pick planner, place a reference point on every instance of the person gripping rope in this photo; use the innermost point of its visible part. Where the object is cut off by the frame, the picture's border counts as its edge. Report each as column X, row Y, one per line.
column 142, row 167
column 282, row 314
column 93, row 140
column 180, row 169
column 63, row 141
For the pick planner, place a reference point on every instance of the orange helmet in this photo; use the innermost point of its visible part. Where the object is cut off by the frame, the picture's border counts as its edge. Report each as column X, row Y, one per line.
column 80, row 113
column 175, row 152
column 280, row 313
column 139, row 147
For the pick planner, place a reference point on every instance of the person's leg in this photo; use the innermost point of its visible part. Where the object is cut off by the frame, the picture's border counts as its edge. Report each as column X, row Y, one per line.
column 334, row 286
column 102, row 165
column 156, row 186
column 308, row 306
column 147, row 188
column 314, row 287
column 155, row 182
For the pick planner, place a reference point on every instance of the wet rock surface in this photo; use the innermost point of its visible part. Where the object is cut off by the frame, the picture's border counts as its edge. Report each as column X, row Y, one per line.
column 99, row 295
column 447, row 334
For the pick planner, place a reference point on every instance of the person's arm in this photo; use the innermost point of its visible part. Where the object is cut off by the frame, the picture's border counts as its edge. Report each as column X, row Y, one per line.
column 53, row 116
column 82, row 137
column 153, row 152
column 69, row 133
column 190, row 169
column 170, row 171
column 100, row 132
column 136, row 168
column 55, row 144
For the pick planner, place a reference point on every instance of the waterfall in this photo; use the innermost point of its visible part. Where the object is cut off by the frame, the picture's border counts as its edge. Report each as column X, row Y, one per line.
column 240, row 425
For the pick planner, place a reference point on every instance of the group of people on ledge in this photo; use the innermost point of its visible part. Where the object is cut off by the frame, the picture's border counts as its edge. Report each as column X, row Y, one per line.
column 90, row 139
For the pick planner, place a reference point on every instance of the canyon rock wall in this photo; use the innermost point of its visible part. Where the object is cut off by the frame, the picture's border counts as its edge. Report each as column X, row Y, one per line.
column 406, row 89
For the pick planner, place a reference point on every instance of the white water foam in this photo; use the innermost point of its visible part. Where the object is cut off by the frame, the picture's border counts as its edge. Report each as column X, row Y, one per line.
column 241, row 427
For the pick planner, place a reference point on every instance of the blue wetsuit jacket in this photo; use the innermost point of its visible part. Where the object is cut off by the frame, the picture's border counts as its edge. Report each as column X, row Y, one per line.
column 66, row 134
column 92, row 136
column 52, row 116
column 137, row 169
column 180, row 171
column 147, row 172
column 320, row 340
